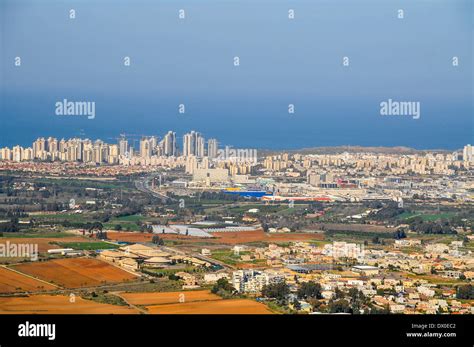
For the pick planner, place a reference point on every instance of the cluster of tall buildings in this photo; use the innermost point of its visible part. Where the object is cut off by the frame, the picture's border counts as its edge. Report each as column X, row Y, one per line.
column 52, row 149
column 150, row 146
column 88, row 151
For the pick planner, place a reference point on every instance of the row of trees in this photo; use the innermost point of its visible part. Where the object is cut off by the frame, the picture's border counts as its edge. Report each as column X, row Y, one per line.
column 351, row 301
column 427, row 227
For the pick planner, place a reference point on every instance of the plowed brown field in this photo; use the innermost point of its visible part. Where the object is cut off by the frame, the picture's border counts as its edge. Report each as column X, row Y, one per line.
column 58, row 304
column 233, row 306
column 75, row 272
column 149, row 298
column 13, row 282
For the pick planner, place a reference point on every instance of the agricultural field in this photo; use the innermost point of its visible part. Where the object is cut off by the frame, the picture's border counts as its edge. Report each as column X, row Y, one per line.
column 13, row 282
column 124, row 236
column 88, row 246
column 231, row 306
column 58, row 304
column 261, row 236
column 194, row 302
column 44, row 243
column 229, row 238
column 75, row 272
column 168, row 297
column 229, row 257
column 40, row 235
column 406, row 216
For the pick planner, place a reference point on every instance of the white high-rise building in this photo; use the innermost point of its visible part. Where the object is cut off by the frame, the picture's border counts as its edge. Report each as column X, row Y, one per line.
column 212, row 148
column 145, row 148
column 193, row 144
column 169, row 144
column 468, row 153
column 200, row 146
column 123, row 146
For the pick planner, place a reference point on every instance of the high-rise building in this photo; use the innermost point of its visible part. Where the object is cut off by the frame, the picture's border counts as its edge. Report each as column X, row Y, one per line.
column 123, row 146
column 97, row 152
column 200, row 145
column 145, row 148
column 17, row 153
column 113, row 154
column 212, row 148
column 188, row 144
column 193, row 144
column 468, row 153
column 39, row 148
column 153, row 143
column 170, row 144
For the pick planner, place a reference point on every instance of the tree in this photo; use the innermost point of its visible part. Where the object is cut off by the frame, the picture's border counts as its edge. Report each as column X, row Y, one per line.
column 400, row 234
column 296, row 305
column 279, row 291
column 10, row 227
column 309, row 290
column 223, row 287
column 339, row 294
column 157, row 240
column 102, row 235
column 465, row 292
column 339, row 306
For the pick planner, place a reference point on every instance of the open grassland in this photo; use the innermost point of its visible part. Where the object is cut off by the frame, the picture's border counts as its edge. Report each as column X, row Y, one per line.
column 58, row 304
column 76, row 272
column 13, row 282
column 231, row 306
column 168, row 297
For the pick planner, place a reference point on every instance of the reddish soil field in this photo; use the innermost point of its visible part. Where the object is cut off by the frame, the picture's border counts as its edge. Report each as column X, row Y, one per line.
column 234, row 306
column 13, row 282
column 75, row 272
column 127, row 236
column 58, row 304
column 149, row 298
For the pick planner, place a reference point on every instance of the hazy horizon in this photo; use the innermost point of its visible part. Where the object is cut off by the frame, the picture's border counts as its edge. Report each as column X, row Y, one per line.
column 283, row 62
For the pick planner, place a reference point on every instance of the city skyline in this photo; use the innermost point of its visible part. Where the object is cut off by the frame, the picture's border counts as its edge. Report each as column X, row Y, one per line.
column 193, row 144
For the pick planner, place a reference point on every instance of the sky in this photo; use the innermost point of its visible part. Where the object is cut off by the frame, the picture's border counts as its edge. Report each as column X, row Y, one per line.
column 282, row 62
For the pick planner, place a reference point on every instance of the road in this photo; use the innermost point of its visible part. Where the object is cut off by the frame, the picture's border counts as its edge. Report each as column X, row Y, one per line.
column 143, row 185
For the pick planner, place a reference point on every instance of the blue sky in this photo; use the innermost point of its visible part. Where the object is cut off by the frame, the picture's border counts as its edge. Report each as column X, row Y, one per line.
column 282, row 61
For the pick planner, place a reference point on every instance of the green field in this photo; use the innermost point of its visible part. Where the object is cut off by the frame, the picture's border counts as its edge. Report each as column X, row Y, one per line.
column 83, row 183
column 71, row 217
column 426, row 216
column 88, row 246
column 227, row 256
column 130, row 218
column 37, row 235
